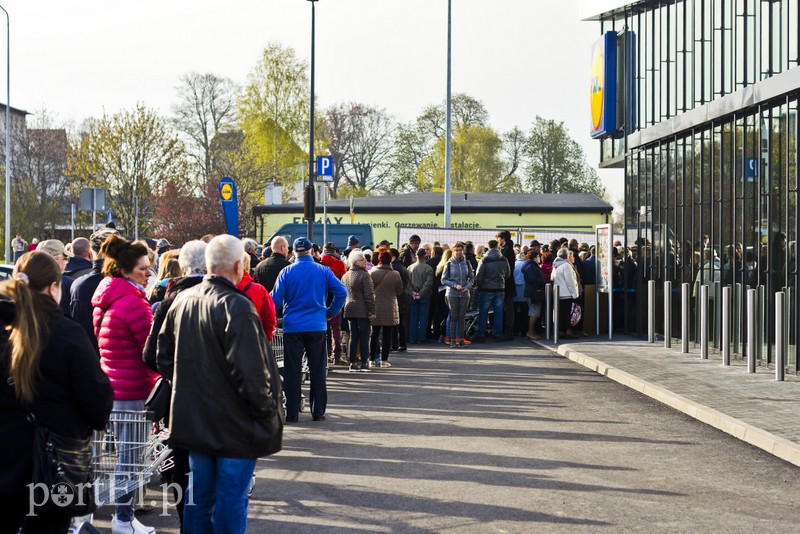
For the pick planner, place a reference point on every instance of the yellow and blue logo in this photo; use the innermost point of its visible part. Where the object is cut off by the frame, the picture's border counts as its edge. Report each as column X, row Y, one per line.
column 603, row 86
column 226, row 191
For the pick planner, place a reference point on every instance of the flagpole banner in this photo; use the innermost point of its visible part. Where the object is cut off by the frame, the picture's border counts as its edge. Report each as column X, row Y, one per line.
column 230, row 205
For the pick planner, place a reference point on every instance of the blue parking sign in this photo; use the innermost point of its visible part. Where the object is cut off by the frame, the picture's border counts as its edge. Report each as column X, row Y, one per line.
column 325, row 168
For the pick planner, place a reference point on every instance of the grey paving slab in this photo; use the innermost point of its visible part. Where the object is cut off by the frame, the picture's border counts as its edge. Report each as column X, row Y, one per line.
column 507, row 437
column 753, row 407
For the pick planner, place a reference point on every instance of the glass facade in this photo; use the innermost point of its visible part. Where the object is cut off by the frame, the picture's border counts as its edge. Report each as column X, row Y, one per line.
column 714, row 204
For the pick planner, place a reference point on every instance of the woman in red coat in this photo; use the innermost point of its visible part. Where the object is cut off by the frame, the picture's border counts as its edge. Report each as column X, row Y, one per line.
column 122, row 318
column 260, row 298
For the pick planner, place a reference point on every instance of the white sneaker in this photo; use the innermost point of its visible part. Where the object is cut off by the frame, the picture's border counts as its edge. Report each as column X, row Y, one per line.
column 130, row 527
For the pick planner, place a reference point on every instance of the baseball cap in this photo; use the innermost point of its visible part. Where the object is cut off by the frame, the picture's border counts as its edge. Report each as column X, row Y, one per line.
column 163, row 243
column 535, row 243
column 54, row 247
column 302, row 244
column 385, row 243
column 414, row 239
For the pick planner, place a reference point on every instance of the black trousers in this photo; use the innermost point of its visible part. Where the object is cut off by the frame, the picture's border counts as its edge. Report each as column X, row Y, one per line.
column 386, row 342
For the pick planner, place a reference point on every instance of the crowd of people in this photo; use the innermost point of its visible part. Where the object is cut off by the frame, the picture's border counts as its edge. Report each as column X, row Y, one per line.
column 92, row 326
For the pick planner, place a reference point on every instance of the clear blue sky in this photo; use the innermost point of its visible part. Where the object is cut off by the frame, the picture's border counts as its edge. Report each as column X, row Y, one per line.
column 522, row 58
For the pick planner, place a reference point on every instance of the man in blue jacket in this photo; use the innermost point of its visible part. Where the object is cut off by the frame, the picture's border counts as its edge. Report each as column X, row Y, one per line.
column 301, row 290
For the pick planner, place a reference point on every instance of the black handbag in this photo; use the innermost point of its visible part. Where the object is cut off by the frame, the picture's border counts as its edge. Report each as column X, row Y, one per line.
column 537, row 295
column 62, row 468
column 158, row 401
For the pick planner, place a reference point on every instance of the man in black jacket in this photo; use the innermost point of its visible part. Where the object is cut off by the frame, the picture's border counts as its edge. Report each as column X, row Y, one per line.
column 226, row 399
column 81, row 261
column 82, row 290
column 507, row 250
column 268, row 270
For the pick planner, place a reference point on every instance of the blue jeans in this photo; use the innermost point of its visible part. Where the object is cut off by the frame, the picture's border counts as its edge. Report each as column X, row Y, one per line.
column 418, row 322
column 493, row 299
column 313, row 344
column 218, row 491
column 128, row 461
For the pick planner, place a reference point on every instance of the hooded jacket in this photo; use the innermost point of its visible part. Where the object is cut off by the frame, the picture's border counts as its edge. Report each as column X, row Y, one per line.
column 493, row 271
column 77, row 267
column 566, row 279
column 122, row 319
column 260, row 298
column 457, row 273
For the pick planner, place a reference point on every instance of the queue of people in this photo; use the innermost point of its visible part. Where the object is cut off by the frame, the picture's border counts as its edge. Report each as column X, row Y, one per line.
column 204, row 325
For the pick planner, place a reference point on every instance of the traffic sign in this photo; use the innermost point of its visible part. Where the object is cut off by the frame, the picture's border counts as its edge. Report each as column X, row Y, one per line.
column 325, row 168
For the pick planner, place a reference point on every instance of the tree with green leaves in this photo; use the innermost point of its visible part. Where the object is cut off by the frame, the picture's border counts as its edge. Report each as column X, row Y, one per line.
column 556, row 162
column 274, row 113
column 132, row 153
column 476, row 163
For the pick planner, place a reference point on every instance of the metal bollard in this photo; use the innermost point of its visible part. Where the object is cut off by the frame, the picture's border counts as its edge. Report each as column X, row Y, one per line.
column 555, row 313
column 726, row 325
column 548, row 313
column 651, row 311
column 717, row 314
column 761, row 308
column 780, row 338
column 751, row 330
column 685, row 318
column 737, row 318
column 704, row 322
column 667, row 314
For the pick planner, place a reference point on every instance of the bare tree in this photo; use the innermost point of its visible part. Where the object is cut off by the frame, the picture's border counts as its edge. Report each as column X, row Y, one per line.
column 369, row 163
column 41, row 185
column 206, row 107
column 337, row 136
column 466, row 111
column 514, row 142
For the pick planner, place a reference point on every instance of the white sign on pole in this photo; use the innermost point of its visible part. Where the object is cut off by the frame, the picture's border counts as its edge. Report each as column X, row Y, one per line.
column 604, row 266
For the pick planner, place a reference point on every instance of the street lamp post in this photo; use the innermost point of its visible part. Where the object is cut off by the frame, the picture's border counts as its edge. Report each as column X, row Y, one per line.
column 447, row 164
column 310, row 197
column 8, row 138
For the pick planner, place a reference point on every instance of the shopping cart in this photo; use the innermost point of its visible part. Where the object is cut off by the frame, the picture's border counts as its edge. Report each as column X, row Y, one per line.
column 127, row 453
column 278, row 352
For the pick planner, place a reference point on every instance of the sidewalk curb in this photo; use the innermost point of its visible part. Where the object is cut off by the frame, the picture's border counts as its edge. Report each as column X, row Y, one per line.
column 777, row 446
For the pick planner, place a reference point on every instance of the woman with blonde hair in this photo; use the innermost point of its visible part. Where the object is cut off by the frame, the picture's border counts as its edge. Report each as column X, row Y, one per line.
column 49, row 378
column 168, row 268
column 458, row 277
column 439, row 301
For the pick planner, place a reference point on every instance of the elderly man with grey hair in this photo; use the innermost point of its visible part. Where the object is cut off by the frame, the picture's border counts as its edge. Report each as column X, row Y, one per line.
column 226, row 399
column 192, row 259
column 251, row 248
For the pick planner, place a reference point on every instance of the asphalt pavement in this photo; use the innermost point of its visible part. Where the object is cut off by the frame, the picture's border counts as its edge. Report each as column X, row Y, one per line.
column 508, row 437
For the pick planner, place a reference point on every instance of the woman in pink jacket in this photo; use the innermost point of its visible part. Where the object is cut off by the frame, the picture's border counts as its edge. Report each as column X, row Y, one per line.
column 122, row 319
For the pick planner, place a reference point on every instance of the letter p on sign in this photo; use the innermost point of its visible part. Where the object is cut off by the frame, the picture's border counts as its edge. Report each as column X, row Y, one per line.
column 325, row 168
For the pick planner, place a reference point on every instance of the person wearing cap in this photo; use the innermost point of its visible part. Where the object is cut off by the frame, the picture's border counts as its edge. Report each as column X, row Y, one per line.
column 408, row 255
column 301, row 290
column 80, row 295
column 55, row 248
column 352, row 242
column 81, row 261
column 383, row 246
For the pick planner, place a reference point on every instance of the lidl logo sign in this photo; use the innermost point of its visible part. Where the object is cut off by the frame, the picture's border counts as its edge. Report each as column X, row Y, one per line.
column 598, row 85
column 603, row 86
column 226, row 191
